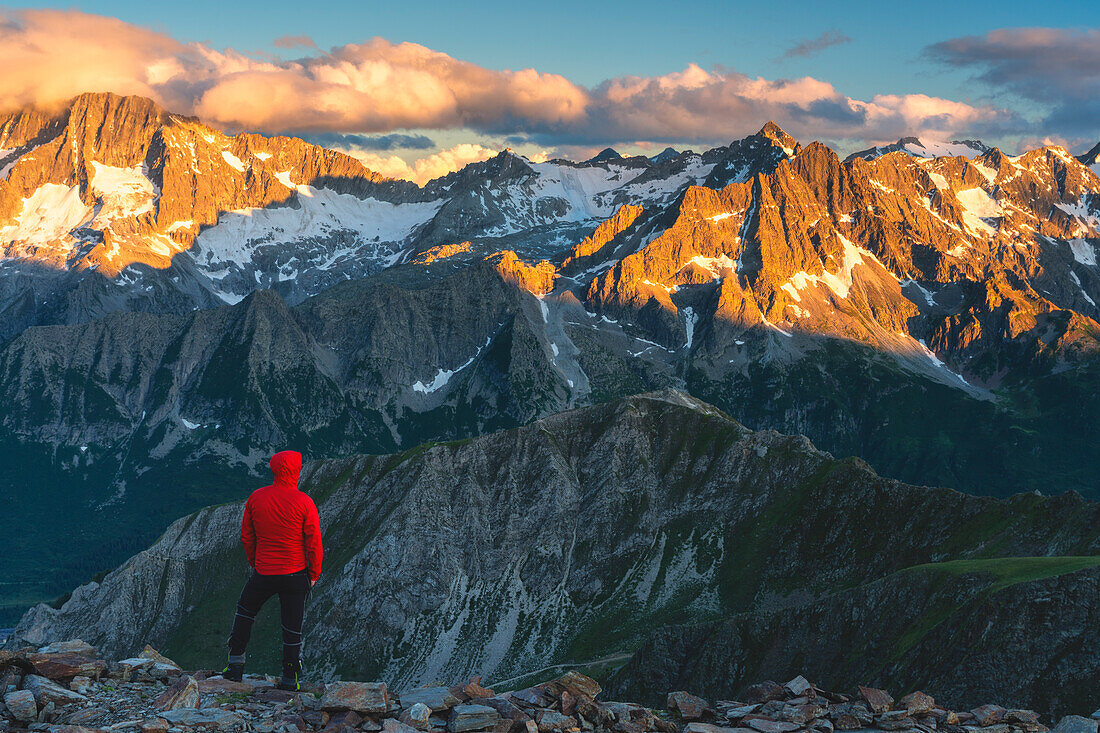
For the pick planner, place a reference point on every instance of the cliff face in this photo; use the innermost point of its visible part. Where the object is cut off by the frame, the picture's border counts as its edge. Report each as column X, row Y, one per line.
column 98, row 202
column 573, row 539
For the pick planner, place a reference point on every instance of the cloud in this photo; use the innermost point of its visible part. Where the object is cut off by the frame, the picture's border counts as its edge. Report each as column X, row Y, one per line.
column 425, row 169
column 379, row 87
column 393, row 141
column 813, row 46
column 1057, row 68
column 696, row 105
column 294, row 42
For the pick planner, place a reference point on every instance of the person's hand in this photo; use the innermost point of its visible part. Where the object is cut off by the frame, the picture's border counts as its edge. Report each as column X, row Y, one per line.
column 312, row 583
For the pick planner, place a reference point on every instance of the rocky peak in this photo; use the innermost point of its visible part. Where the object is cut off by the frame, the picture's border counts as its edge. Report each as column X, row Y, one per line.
column 605, row 154
column 779, row 137
column 1092, row 157
column 535, row 279
column 667, row 154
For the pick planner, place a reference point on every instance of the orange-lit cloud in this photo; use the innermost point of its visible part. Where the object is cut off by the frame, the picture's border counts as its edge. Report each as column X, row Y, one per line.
column 378, row 86
column 425, row 169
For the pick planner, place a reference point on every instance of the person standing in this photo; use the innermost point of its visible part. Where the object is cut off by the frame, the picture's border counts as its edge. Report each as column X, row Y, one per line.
column 281, row 534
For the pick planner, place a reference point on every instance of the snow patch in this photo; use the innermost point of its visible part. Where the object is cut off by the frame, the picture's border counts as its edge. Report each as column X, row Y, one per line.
column 125, row 192
column 941, row 149
column 47, row 216
column 283, row 177
column 839, row 282
column 1083, row 252
column 233, row 160
column 690, row 319
column 977, row 206
column 444, row 376
column 719, row 266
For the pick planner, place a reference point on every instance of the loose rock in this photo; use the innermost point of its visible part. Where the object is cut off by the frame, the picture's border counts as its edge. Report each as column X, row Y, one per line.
column 362, row 697
column 183, row 693
column 22, row 705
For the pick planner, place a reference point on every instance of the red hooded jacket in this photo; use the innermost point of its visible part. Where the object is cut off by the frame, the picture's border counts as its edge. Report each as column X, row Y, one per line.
column 280, row 531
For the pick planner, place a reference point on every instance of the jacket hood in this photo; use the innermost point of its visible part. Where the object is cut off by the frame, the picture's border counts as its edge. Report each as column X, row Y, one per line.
column 286, row 465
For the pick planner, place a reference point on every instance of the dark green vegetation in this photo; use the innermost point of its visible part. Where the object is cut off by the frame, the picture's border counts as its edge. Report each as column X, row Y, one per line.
column 656, row 531
column 1021, row 628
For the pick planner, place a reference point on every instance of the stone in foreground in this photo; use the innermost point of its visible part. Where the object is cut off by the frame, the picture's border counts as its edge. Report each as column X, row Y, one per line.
column 472, row 717
column 362, row 697
column 21, row 704
column 183, row 693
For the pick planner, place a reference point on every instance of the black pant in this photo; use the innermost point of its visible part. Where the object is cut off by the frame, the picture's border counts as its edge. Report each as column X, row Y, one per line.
column 292, row 590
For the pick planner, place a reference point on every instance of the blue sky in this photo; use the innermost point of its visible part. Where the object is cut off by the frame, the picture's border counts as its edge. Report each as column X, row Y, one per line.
column 591, row 41
column 979, row 86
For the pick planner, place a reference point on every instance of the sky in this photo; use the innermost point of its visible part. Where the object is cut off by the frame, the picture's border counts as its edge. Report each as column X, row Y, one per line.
column 413, row 88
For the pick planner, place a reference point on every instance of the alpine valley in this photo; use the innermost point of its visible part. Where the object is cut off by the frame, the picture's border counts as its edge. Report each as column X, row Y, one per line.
column 543, row 397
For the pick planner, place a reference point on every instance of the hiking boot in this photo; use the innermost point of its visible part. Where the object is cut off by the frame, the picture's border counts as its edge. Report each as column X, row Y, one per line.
column 289, row 680
column 234, row 672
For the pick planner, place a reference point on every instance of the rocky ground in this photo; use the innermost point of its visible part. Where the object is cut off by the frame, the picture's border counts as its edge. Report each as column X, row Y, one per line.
column 66, row 688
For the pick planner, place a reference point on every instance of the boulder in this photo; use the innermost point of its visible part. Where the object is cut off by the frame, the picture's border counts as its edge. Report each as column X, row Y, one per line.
column 1075, row 724
column 128, row 667
column 917, row 703
column 894, row 720
column 533, row 697
column 205, row 717
column 801, row 713
column 850, row 716
column 576, row 684
column 183, row 693
column 689, row 706
column 393, row 725
column 472, row 717
column 436, row 697
column 551, row 721
column 154, row 725
column 765, row 725
column 987, row 715
column 362, row 697
column 800, row 686
column 1021, row 716
column 737, row 711
column 66, row 666
column 150, row 653
column 83, row 685
column 517, row 719
column 765, row 692
column 418, row 716
column 22, row 705
column 596, row 713
column 878, row 701
column 73, row 646
column 474, row 689
column 697, row 727
column 89, row 717
column 47, row 691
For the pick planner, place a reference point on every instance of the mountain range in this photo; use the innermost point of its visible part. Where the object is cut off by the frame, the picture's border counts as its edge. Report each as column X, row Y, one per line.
column 177, row 303
column 652, row 533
